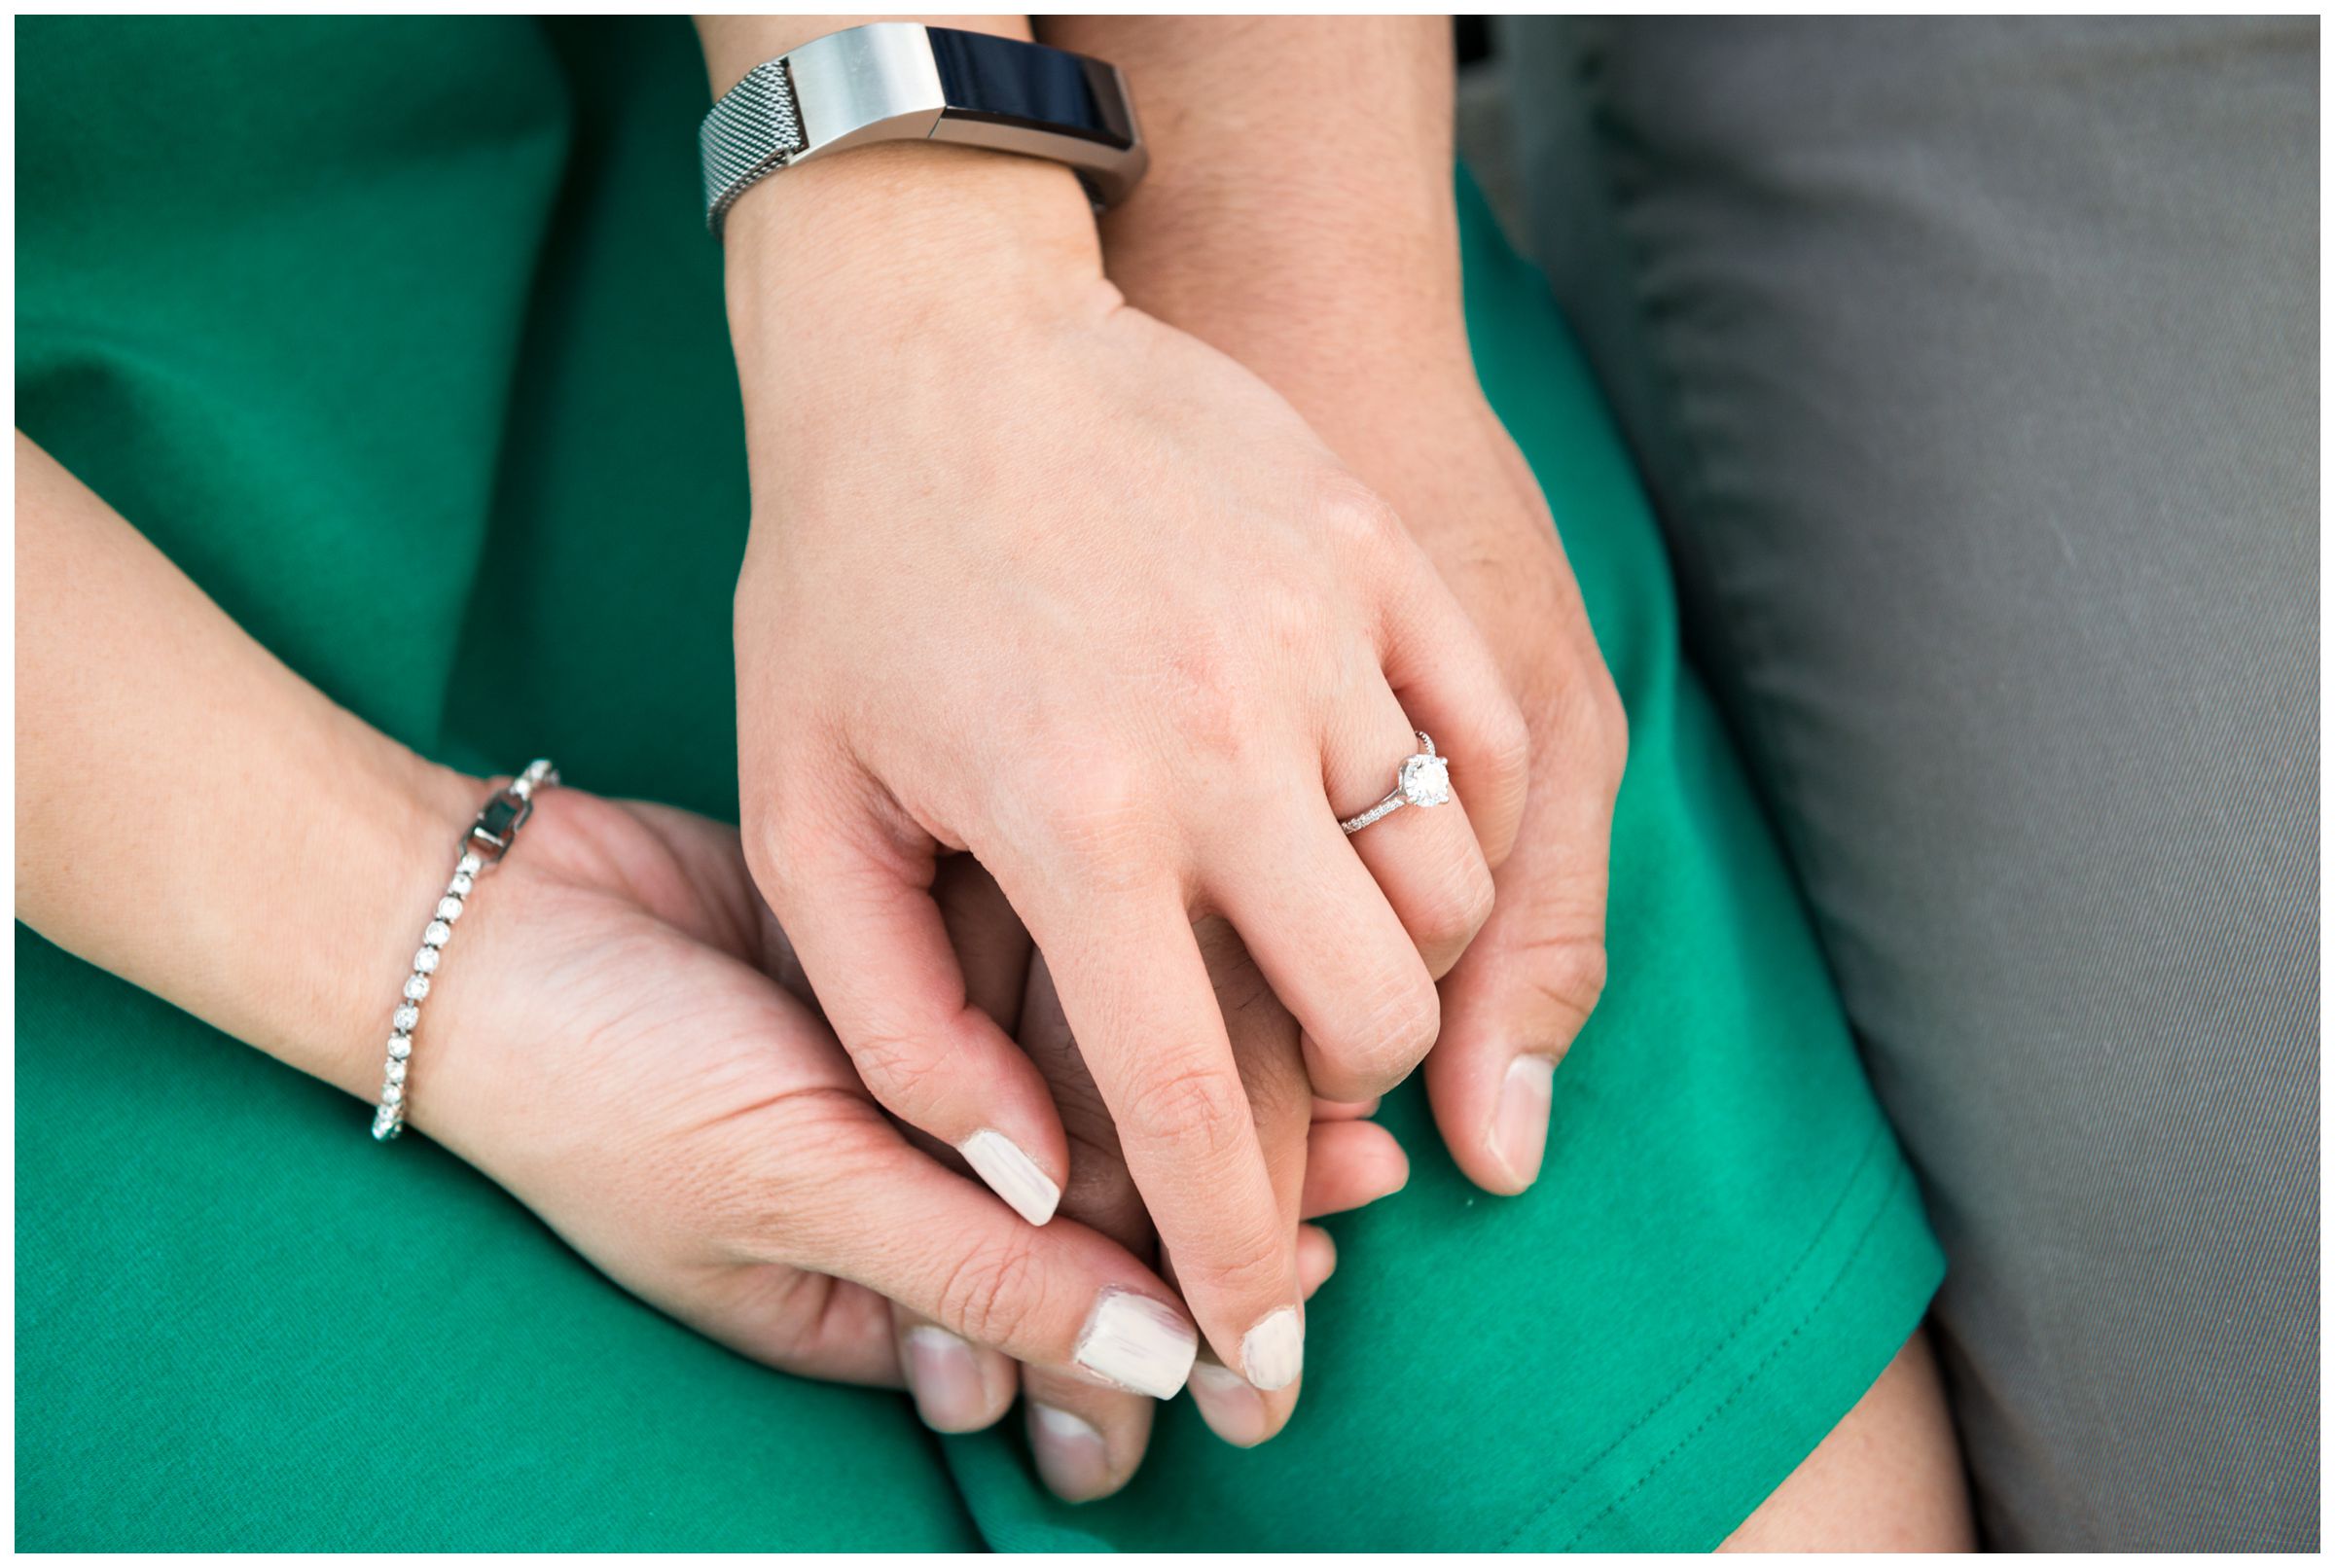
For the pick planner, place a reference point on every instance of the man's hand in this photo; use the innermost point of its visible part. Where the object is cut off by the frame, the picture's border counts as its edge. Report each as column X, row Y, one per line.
column 1527, row 985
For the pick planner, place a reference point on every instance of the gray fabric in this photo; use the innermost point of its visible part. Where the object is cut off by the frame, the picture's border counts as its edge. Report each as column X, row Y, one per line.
column 1974, row 365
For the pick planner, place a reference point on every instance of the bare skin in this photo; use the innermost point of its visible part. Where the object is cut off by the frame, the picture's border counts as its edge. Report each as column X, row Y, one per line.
column 1887, row 1478
column 1336, row 279
column 1475, row 517
column 1136, row 648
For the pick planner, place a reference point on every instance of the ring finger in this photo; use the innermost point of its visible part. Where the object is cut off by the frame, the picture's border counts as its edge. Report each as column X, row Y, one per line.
column 1425, row 857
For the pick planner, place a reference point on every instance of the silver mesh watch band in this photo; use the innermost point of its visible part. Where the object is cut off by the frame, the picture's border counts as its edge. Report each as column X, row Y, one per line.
column 752, row 130
column 899, row 81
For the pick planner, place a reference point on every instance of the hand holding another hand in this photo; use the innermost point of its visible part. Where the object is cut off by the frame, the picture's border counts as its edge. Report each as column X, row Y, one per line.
column 617, row 1043
column 624, row 1044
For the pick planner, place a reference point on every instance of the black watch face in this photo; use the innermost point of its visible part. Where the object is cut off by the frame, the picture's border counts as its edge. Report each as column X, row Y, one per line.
column 985, row 77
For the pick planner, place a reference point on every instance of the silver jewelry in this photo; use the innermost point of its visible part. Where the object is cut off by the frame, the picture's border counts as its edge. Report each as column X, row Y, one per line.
column 482, row 848
column 1425, row 779
column 902, row 80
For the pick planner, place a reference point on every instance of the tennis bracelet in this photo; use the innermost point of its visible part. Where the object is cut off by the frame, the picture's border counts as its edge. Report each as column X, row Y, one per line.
column 483, row 847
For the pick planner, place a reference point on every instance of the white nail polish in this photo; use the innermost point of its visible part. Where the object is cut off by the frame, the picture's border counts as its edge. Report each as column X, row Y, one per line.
column 1138, row 1344
column 1274, row 1352
column 1011, row 1174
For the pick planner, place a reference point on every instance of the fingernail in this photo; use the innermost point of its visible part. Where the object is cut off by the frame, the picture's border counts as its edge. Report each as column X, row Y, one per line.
column 1138, row 1344
column 945, row 1375
column 1520, row 1124
column 1233, row 1409
column 1072, row 1458
column 1011, row 1174
column 1274, row 1352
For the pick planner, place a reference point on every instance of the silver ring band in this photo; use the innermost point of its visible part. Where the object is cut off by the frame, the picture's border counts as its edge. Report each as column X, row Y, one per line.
column 1423, row 779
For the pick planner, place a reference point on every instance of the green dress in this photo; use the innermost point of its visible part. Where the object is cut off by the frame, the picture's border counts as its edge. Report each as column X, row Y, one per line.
column 403, row 337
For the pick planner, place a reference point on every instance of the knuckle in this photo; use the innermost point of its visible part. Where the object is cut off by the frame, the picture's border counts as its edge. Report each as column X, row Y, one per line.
column 991, row 1292
column 766, row 839
column 1404, row 1025
column 1398, row 1029
column 903, row 1072
column 1612, row 721
column 1588, row 723
column 738, row 1212
column 1354, row 512
column 1198, row 1110
column 1570, row 973
column 1211, row 683
column 786, row 1310
column 1099, row 818
column 1507, row 742
column 773, row 1189
column 1243, row 1261
column 1456, row 907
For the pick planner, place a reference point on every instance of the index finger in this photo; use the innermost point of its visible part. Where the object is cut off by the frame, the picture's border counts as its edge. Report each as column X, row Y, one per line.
column 1138, row 999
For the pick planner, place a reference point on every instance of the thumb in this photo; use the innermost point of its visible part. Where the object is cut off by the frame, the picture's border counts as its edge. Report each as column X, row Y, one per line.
column 1514, row 1003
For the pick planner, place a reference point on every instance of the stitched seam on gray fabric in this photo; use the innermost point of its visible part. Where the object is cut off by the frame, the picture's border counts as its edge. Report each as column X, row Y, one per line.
column 1864, row 1239
column 1743, row 626
column 1783, row 1282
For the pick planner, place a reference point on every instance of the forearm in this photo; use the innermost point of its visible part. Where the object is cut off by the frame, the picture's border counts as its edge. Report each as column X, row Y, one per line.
column 1298, row 214
column 195, row 817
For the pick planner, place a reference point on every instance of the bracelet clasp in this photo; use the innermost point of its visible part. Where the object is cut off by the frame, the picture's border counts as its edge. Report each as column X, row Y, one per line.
column 504, row 812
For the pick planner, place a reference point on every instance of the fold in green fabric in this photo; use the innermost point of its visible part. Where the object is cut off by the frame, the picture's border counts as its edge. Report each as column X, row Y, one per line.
column 404, row 339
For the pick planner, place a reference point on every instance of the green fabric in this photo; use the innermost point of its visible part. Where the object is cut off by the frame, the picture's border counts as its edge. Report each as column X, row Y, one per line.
column 403, row 338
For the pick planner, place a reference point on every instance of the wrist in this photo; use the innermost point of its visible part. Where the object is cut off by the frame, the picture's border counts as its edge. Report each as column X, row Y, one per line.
column 1365, row 270
column 883, row 245
column 394, row 850
column 1364, row 333
column 848, row 276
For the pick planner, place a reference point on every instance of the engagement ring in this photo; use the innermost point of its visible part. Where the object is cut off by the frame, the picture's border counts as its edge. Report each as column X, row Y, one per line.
column 1425, row 779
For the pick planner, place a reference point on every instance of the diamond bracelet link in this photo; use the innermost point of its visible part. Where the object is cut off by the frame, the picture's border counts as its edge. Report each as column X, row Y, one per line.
column 483, row 847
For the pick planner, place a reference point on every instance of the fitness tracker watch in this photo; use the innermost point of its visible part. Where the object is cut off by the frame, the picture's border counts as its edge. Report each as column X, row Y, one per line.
column 901, row 81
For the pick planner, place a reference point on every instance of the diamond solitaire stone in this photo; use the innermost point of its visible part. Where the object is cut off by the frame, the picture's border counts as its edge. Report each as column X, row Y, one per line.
column 1426, row 780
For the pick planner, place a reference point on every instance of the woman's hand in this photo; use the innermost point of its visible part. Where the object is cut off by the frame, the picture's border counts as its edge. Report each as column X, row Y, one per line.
column 610, row 1040
column 622, row 1040
column 1035, row 575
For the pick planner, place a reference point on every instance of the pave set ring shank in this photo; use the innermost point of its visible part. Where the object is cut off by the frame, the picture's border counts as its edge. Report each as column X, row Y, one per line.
column 1425, row 779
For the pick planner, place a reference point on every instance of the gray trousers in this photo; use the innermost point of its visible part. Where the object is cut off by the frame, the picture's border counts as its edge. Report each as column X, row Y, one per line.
column 1973, row 365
